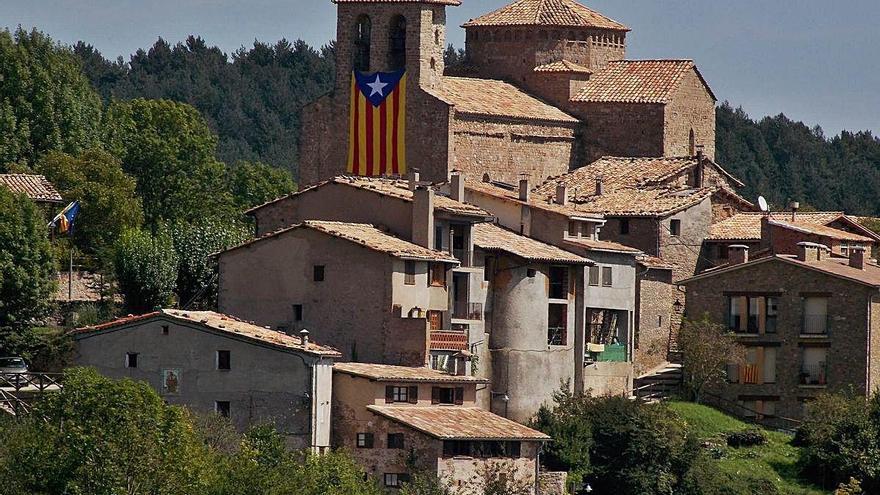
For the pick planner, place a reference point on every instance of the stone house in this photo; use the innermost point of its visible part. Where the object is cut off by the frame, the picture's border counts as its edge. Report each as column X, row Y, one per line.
column 211, row 362
column 809, row 323
column 397, row 421
column 780, row 232
column 374, row 296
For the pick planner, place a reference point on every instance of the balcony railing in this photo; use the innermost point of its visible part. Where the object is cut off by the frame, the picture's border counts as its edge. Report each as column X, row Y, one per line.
column 613, row 353
column 815, row 325
column 464, row 256
column 467, row 311
column 814, row 374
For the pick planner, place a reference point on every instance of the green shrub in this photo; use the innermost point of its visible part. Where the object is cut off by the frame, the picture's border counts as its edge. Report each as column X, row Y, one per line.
column 747, row 438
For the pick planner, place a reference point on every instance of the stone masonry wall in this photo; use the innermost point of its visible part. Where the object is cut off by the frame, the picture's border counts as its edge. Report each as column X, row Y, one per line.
column 656, row 295
column 643, row 233
column 846, row 341
column 684, row 250
column 620, row 129
column 691, row 108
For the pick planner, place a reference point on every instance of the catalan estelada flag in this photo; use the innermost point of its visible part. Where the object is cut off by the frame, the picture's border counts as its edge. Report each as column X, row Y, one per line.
column 376, row 144
column 64, row 220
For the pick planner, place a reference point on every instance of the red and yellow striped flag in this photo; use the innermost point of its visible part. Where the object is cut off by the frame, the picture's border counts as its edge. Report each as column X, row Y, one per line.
column 377, row 144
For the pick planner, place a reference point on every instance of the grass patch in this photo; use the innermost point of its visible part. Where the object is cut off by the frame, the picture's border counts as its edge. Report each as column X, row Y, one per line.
column 774, row 463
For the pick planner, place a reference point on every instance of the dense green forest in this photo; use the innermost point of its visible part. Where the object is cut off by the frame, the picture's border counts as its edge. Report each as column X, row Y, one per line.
column 252, row 99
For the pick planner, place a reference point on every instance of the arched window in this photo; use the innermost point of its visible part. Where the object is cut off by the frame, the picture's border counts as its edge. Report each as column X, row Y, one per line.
column 692, row 144
column 397, row 43
column 362, row 31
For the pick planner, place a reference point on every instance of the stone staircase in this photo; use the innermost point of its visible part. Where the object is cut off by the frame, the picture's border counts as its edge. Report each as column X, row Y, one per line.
column 660, row 384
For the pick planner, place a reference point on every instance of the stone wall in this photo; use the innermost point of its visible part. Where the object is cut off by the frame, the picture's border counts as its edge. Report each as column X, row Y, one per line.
column 848, row 307
column 684, row 250
column 621, row 129
column 656, row 296
column 552, row 483
column 643, row 233
column 691, row 108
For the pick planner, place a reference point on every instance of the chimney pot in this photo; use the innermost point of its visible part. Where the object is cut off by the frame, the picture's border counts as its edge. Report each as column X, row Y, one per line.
column 795, row 206
column 304, row 337
column 524, row 189
column 561, row 194
column 857, row 257
column 456, row 186
column 737, row 254
column 414, row 179
column 600, row 187
column 810, row 252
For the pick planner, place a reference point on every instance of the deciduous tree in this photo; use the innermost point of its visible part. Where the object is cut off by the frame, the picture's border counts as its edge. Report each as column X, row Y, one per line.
column 146, row 269
column 707, row 348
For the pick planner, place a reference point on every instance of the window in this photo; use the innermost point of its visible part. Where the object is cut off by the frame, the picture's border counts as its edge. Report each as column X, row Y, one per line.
column 753, row 314
column 395, row 393
column 692, row 144
column 814, row 369
column 558, row 282
column 447, row 395
column 675, row 227
column 438, row 275
column 396, row 480
column 165, row 329
column 772, row 315
column 131, row 360
column 768, row 362
column 660, row 321
column 297, row 312
column 624, row 226
column 438, row 238
column 224, row 360
column 844, row 248
column 397, row 43
column 531, row 272
column 572, row 229
column 222, row 408
column 318, row 273
column 435, row 318
column 409, row 271
column 815, row 316
column 594, row 276
column 395, row 441
column 607, row 280
column 722, row 251
column 364, row 441
column 362, row 34
column 557, row 324
column 488, row 268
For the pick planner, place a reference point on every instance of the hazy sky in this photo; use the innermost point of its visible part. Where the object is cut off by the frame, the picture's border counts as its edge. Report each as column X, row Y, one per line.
column 816, row 61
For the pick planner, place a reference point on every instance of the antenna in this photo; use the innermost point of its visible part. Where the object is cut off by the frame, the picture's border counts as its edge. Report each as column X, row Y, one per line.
column 762, row 204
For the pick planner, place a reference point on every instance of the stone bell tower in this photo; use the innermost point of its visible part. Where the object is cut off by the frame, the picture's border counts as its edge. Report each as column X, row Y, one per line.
column 387, row 35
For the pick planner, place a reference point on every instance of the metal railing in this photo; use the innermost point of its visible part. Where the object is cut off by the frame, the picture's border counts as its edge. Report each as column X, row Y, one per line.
column 36, row 382
column 781, row 423
column 467, row 311
column 815, row 325
column 464, row 256
column 813, row 374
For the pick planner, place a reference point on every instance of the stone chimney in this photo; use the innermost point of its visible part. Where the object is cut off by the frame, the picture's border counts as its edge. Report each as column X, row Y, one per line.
column 737, row 254
column 423, row 217
column 304, row 338
column 600, row 187
column 561, row 194
column 524, row 189
column 857, row 257
column 414, row 179
column 795, row 206
column 811, row 252
column 456, row 186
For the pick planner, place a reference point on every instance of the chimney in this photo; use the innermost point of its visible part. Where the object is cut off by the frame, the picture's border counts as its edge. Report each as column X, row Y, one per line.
column 561, row 194
column 524, row 189
column 737, row 254
column 809, row 252
column 414, row 179
column 423, row 217
column 600, row 188
column 304, row 337
column 857, row 257
column 700, row 153
column 795, row 206
column 456, row 186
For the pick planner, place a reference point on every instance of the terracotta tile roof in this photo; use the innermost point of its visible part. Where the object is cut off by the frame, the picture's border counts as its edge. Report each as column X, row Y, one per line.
column 655, row 263
column 217, row 322
column 458, row 423
column 617, row 173
column 489, row 237
column 655, row 202
column 449, row 341
column 391, row 373
column 36, row 187
column 835, row 266
column 594, row 245
column 637, row 81
column 440, row 2
column 396, row 188
column 563, row 66
column 747, row 226
column 496, row 99
column 567, row 13
column 363, row 234
column 535, row 201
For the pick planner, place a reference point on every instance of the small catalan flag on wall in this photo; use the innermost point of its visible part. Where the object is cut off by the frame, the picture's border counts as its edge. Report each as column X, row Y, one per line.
column 378, row 124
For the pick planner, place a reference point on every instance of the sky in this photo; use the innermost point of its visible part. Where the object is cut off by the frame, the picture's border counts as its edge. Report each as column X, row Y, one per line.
column 814, row 60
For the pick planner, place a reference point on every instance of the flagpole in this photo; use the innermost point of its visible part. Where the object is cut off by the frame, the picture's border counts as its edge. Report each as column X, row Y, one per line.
column 70, row 276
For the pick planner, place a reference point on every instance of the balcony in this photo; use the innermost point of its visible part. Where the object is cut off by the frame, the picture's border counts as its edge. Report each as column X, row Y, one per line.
column 467, row 311
column 815, row 325
column 814, row 374
column 748, row 373
column 464, row 256
column 449, row 340
column 611, row 353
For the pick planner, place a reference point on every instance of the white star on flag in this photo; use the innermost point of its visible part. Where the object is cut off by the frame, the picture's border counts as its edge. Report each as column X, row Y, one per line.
column 377, row 86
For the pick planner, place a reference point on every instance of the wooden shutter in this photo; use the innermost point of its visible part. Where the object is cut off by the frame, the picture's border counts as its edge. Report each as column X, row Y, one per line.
column 413, row 395
column 743, row 313
column 389, row 394
column 459, row 396
column 435, row 395
column 762, row 316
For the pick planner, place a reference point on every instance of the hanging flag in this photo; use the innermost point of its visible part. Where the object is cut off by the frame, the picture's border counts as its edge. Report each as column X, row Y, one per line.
column 64, row 220
column 376, row 144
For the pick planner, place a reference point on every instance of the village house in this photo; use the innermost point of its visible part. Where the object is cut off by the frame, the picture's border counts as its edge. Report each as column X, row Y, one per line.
column 35, row 187
column 399, row 421
column 809, row 323
column 211, row 362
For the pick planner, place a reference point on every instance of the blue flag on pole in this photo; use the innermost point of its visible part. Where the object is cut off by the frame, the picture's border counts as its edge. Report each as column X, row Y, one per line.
column 64, row 220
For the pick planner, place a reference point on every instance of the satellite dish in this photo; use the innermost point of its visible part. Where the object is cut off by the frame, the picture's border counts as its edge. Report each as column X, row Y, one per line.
column 762, row 204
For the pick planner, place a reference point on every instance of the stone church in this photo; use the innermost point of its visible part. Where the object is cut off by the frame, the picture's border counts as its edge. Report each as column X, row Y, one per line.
column 546, row 88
